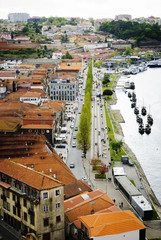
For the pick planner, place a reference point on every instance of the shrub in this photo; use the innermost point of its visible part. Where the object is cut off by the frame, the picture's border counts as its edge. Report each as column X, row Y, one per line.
column 107, row 92
column 100, row 176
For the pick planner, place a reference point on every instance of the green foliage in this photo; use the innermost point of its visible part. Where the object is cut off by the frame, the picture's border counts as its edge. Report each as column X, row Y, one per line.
column 43, row 19
column 132, row 181
column 83, row 135
column 94, row 168
column 58, row 21
column 25, row 30
column 116, row 145
column 128, row 51
column 67, row 56
column 64, row 38
column 100, row 176
column 92, row 21
column 106, row 77
column 99, row 63
column 105, row 83
column 155, row 214
column 107, row 92
column 128, row 29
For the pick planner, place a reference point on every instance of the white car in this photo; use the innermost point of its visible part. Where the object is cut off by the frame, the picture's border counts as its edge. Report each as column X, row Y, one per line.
column 72, row 165
column 74, row 144
column 84, row 178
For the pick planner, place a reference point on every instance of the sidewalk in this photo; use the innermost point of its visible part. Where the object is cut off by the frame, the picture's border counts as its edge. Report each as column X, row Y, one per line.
column 153, row 227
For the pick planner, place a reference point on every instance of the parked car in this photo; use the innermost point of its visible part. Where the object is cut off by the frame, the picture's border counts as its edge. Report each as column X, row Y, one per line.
column 76, row 129
column 74, row 144
column 84, row 178
column 60, row 146
column 72, row 165
column 74, row 136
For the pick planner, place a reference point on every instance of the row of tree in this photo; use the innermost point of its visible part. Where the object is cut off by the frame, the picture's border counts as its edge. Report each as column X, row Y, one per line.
column 135, row 30
column 83, row 136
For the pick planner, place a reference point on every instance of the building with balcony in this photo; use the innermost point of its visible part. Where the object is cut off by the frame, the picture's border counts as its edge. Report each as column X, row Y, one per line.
column 31, row 202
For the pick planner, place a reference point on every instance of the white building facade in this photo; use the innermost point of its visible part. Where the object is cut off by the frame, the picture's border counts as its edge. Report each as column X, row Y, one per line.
column 65, row 90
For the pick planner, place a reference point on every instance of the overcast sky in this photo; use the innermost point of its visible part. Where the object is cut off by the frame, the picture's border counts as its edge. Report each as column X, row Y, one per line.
column 82, row 8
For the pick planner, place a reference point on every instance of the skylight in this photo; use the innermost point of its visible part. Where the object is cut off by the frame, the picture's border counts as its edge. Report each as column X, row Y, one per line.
column 85, row 196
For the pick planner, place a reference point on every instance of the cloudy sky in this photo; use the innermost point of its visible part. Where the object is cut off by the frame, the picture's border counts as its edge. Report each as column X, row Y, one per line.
column 82, row 8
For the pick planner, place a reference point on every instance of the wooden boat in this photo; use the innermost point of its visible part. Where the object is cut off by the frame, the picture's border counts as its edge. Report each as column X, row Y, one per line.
column 143, row 111
column 141, row 129
column 132, row 85
column 148, row 129
column 136, row 110
column 149, row 119
column 133, row 105
column 139, row 119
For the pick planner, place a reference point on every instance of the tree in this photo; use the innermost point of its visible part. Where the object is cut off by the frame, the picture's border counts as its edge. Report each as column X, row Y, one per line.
column 102, row 169
column 128, row 51
column 64, row 38
column 25, row 30
column 116, row 145
column 83, row 136
column 108, row 92
column 67, row 56
column 106, row 77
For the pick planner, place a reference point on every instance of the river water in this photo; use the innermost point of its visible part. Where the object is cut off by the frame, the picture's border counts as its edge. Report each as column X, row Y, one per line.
column 147, row 148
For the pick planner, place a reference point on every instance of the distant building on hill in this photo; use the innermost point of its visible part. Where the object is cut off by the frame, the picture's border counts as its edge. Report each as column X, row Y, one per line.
column 18, row 17
column 124, row 17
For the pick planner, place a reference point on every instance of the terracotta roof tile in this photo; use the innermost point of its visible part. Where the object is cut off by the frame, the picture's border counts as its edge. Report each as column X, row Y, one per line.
column 27, row 175
column 84, row 203
column 32, row 151
column 111, row 223
column 9, row 124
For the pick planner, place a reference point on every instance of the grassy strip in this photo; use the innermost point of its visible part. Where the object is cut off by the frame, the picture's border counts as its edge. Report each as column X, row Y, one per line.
column 112, row 127
column 155, row 214
column 133, row 182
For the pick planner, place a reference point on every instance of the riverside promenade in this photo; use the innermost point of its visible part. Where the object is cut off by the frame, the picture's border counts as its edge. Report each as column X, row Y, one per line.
column 134, row 173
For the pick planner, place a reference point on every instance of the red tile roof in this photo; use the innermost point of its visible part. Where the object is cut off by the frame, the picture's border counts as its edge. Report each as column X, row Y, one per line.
column 84, row 203
column 27, row 175
column 111, row 223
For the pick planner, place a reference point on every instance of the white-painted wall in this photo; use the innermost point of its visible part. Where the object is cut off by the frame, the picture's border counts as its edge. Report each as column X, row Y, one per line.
column 133, row 235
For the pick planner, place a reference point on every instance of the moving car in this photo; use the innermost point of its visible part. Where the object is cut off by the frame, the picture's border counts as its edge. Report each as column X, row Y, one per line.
column 72, row 165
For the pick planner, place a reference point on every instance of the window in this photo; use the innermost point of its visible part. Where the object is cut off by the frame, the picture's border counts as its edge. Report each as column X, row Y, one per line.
column 25, row 216
column 45, row 208
column 5, row 204
column 18, row 212
column 8, row 206
column 7, row 193
column 32, row 220
column 58, row 205
column 13, row 197
column 14, row 210
column 58, row 219
column 24, row 203
column 45, row 195
column 46, row 222
column 57, row 192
